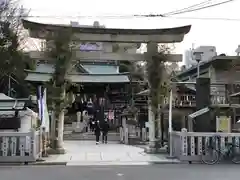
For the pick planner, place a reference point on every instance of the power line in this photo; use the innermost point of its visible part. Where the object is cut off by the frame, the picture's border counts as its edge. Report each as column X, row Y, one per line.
column 181, row 11
column 138, row 17
column 187, row 8
column 152, row 16
column 204, row 7
column 191, row 8
column 205, row 18
column 144, row 16
column 174, row 17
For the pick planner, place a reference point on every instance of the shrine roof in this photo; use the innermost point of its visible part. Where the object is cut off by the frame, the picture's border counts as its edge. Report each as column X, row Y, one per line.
column 100, row 69
column 91, row 74
column 79, row 68
column 81, row 78
column 93, row 30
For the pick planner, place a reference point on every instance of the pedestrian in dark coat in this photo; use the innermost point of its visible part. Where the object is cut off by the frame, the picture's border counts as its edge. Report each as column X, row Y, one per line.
column 97, row 130
column 91, row 125
column 105, row 128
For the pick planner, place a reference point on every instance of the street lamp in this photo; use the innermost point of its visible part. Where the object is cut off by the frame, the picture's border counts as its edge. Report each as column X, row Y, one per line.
column 198, row 58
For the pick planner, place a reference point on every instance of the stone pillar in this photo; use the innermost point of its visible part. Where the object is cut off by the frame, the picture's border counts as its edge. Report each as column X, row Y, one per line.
column 78, row 127
column 203, row 100
column 125, row 129
column 126, row 133
column 78, row 116
column 124, row 123
column 144, row 137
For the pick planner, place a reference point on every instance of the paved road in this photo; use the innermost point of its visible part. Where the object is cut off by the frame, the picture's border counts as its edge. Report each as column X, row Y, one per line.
column 150, row 172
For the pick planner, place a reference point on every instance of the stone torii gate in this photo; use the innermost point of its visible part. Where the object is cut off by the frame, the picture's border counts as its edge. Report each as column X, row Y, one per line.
column 99, row 34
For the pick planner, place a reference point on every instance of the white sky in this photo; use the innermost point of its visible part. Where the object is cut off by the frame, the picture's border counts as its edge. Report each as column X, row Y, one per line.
column 222, row 34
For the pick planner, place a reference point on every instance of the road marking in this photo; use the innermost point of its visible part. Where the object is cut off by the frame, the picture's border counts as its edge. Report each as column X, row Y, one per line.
column 120, row 174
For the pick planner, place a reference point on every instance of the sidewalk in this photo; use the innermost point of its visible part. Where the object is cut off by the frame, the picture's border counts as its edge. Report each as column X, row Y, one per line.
column 88, row 153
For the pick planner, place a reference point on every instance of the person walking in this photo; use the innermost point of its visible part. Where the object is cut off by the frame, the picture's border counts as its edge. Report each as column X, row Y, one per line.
column 91, row 124
column 105, row 129
column 97, row 131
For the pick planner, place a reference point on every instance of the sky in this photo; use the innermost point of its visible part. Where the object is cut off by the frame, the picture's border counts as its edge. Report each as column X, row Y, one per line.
column 225, row 35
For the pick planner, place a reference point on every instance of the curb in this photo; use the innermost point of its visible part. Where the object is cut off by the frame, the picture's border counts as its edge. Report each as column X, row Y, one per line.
column 48, row 163
column 165, row 162
column 150, row 162
column 135, row 163
column 150, row 151
column 34, row 164
column 89, row 163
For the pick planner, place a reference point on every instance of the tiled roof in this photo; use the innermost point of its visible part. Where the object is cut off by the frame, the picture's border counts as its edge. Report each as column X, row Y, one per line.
column 82, row 78
column 96, row 74
column 101, row 69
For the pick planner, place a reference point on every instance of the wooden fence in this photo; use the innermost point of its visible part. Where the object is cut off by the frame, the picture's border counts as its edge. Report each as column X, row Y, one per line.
column 20, row 147
column 189, row 146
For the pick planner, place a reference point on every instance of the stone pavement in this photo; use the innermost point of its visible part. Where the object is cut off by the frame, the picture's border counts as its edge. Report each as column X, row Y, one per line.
column 89, row 136
column 88, row 153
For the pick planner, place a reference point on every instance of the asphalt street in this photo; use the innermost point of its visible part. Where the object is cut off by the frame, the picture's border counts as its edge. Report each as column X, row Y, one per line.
column 148, row 172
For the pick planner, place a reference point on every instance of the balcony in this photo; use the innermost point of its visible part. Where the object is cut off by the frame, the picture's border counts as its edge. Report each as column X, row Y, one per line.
column 185, row 100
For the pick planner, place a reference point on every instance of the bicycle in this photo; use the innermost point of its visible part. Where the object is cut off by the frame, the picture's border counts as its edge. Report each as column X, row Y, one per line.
column 216, row 154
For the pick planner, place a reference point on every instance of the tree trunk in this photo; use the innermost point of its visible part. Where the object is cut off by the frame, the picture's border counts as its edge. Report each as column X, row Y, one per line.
column 157, row 120
column 151, row 127
column 58, row 125
column 60, row 129
column 155, row 127
column 53, row 129
column 57, row 132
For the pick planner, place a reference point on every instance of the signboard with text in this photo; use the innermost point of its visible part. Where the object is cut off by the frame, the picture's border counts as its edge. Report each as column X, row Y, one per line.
column 90, row 47
column 223, row 124
column 199, row 112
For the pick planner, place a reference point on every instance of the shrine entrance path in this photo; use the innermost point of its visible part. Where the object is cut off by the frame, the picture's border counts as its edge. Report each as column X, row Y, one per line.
column 113, row 153
column 69, row 135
